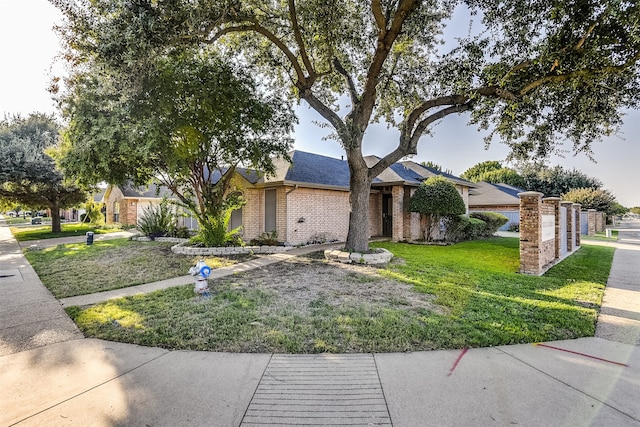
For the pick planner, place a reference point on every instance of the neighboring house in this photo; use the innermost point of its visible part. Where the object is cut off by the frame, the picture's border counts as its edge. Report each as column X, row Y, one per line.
column 73, row 214
column 308, row 200
column 126, row 204
column 500, row 198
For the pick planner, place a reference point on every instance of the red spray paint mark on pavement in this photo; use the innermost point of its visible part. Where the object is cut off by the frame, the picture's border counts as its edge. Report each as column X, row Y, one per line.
column 581, row 354
column 464, row 350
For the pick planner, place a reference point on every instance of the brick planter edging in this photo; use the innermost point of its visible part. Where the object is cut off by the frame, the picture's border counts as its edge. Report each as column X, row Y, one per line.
column 382, row 256
column 180, row 249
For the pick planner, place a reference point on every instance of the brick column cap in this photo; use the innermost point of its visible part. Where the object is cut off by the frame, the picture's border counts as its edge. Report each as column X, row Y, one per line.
column 530, row 194
column 577, row 204
column 551, row 199
column 567, row 203
column 592, row 210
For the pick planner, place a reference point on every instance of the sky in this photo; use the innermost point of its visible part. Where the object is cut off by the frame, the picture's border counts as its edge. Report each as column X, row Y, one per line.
column 28, row 48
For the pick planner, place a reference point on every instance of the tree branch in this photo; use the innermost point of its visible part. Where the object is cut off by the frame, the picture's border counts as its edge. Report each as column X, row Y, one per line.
column 412, row 145
column 355, row 99
column 299, row 41
column 386, row 39
column 376, row 8
column 579, row 73
column 326, row 112
column 254, row 26
column 415, row 114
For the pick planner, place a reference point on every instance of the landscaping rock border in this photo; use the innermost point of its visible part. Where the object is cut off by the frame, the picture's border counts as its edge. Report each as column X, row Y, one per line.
column 180, row 249
column 381, row 256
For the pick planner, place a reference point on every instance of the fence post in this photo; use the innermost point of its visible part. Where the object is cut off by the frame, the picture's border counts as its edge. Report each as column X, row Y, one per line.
column 591, row 222
column 577, row 209
column 570, row 224
column 555, row 202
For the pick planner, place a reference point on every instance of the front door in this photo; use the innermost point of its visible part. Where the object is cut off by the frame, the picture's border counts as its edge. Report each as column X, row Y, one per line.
column 387, row 215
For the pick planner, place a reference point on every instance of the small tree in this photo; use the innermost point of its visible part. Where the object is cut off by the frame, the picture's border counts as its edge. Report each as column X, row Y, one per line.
column 189, row 122
column 436, row 198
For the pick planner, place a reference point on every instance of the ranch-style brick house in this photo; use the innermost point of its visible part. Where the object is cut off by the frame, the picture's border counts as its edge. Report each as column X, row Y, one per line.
column 306, row 201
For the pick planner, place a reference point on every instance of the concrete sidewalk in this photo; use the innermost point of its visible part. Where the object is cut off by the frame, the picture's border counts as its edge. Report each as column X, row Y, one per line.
column 30, row 316
column 73, row 381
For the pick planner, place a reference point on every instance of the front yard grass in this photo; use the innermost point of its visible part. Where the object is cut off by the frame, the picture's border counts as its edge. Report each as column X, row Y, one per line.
column 429, row 297
column 80, row 269
column 23, row 234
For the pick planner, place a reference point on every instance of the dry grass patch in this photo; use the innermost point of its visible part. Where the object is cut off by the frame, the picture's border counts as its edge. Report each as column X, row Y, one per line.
column 80, row 269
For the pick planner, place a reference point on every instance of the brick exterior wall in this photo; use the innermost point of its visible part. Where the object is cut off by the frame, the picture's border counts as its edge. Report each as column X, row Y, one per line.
column 311, row 214
column 397, row 194
column 281, row 213
column 375, row 214
column 253, row 214
column 130, row 212
column 577, row 208
column 114, row 195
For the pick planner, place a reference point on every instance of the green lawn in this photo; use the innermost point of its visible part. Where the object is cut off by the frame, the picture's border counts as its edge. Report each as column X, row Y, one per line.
column 475, row 298
column 25, row 221
column 44, row 232
column 600, row 237
column 79, row 269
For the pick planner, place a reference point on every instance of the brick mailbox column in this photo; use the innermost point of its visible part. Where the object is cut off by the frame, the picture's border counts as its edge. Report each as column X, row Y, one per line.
column 570, row 224
column 591, row 222
column 555, row 203
column 530, row 232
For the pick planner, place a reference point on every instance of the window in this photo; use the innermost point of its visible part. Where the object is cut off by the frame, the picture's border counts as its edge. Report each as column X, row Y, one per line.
column 269, row 210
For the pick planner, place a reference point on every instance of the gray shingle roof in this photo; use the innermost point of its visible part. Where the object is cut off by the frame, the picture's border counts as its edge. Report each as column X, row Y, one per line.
column 309, row 168
column 487, row 194
column 152, row 191
column 319, row 171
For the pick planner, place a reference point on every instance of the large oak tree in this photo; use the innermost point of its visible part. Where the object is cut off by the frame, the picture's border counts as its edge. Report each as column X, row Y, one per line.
column 537, row 72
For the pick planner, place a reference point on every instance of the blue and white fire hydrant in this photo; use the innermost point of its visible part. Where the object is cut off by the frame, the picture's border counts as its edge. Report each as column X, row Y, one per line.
column 201, row 272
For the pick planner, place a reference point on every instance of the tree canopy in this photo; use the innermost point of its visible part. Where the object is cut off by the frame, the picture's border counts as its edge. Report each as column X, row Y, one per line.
column 188, row 121
column 589, row 198
column 28, row 175
column 534, row 72
column 532, row 176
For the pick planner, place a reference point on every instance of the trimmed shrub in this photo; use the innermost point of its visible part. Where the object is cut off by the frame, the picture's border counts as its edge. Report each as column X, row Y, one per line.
column 461, row 227
column 493, row 221
column 435, row 199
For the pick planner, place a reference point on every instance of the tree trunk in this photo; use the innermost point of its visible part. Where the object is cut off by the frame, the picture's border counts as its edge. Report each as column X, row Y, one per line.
column 358, row 237
column 55, row 218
